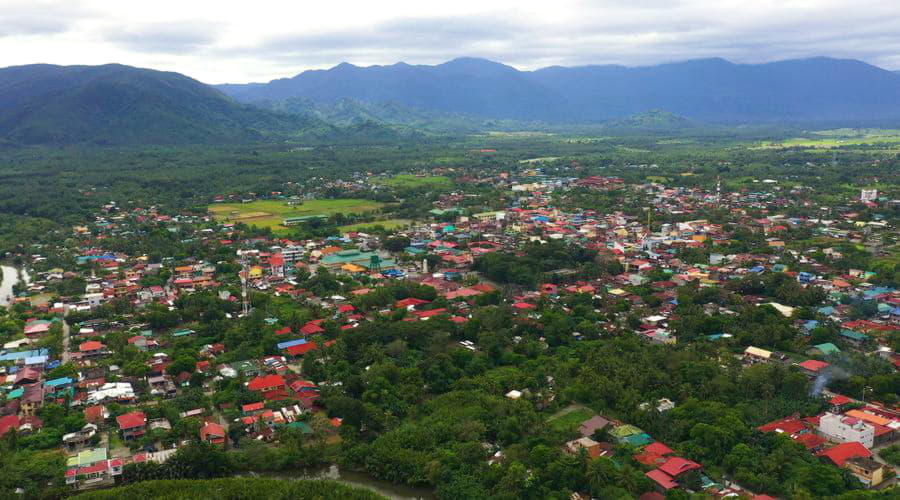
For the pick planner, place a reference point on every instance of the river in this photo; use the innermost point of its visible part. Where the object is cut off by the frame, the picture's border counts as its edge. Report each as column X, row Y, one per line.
column 358, row 479
column 10, row 278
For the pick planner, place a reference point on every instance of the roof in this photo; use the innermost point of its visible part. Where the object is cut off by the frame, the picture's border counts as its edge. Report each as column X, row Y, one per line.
column 659, row 449
column 590, row 425
column 8, row 422
column 813, row 365
column 267, row 382
column 301, row 349
column 810, row 440
column 840, row 453
column 131, row 420
column 827, row 348
column 662, row 479
column 212, row 429
column 90, row 345
column 756, row 351
column 840, row 400
column 868, row 417
column 677, row 465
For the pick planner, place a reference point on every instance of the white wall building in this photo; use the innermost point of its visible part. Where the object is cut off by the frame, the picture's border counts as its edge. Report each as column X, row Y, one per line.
column 846, row 429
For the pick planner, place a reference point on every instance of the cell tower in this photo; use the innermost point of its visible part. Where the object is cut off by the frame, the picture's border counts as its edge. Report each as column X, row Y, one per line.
column 718, row 188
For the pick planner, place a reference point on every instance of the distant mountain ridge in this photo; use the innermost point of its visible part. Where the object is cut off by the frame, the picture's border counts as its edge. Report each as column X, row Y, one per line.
column 713, row 90
column 121, row 105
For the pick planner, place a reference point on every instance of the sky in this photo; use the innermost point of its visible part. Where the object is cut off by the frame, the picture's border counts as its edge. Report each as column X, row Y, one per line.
column 238, row 41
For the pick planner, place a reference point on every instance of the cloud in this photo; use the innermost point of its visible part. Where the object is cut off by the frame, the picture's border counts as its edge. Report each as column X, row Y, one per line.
column 37, row 17
column 219, row 40
column 165, row 38
column 630, row 33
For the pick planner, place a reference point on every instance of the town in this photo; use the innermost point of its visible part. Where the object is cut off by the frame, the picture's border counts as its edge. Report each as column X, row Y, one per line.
column 144, row 333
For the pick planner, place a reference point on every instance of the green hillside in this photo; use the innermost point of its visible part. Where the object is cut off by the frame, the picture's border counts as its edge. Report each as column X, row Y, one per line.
column 121, row 105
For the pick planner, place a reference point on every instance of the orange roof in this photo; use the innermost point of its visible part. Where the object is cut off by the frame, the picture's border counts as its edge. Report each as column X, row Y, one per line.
column 868, row 417
column 331, row 249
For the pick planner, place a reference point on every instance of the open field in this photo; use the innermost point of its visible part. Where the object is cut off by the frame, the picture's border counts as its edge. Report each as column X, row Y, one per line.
column 569, row 421
column 830, row 139
column 270, row 213
column 388, row 224
column 414, row 181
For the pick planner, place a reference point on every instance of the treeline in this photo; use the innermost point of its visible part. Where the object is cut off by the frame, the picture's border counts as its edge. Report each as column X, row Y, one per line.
column 233, row 489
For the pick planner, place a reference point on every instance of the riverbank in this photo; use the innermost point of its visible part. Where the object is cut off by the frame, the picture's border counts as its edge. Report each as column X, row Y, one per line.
column 9, row 277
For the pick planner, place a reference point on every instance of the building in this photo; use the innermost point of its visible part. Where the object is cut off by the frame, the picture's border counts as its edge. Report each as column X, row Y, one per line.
column 133, row 425
column 754, row 355
column 592, row 425
column 212, row 433
column 868, row 471
column 92, row 468
column 592, row 447
column 844, row 429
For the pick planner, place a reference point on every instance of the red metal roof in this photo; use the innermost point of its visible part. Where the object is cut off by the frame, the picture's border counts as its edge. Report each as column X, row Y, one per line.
column 677, row 465
column 266, row 383
column 662, row 479
column 131, row 420
column 844, row 451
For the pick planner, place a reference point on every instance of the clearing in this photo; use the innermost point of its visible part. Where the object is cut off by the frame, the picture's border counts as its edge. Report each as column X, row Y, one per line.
column 413, row 181
column 389, row 224
column 570, row 418
column 270, row 213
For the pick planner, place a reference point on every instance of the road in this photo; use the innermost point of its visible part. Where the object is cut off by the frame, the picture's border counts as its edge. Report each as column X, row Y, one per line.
column 66, row 339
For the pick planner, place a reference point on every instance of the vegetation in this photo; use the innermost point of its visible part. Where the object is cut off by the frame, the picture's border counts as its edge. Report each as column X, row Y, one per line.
column 233, row 488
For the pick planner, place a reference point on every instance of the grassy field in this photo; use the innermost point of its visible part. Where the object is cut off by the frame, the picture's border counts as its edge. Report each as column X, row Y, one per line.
column 571, row 420
column 414, row 181
column 829, row 139
column 387, row 224
column 270, row 213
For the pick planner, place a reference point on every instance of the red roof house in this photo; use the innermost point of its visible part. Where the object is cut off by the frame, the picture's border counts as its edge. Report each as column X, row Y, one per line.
column 132, row 424
column 845, row 451
column 676, row 466
column 266, row 383
column 212, row 433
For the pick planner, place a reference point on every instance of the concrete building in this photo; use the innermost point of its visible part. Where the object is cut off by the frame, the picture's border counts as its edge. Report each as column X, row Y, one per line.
column 845, row 429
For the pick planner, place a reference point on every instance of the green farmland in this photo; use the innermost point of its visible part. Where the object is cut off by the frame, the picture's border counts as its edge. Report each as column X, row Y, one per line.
column 270, row 213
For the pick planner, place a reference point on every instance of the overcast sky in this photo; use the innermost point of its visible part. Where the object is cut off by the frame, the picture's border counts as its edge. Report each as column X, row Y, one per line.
column 220, row 41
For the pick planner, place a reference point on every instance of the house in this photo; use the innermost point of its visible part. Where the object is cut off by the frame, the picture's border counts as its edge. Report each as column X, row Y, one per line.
column 592, row 425
column 266, row 383
column 133, row 425
column 92, row 468
column 77, row 439
column 663, row 481
column 212, row 433
column 753, row 355
column 838, row 455
column 677, row 466
column 592, row 447
column 843, row 429
column 868, row 471
column 90, row 349
column 812, row 367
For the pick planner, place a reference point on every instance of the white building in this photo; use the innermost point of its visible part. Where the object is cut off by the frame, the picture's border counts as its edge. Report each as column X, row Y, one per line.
column 844, row 429
column 868, row 195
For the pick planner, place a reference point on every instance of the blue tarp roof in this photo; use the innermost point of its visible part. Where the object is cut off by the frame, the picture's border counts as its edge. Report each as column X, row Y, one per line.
column 290, row 343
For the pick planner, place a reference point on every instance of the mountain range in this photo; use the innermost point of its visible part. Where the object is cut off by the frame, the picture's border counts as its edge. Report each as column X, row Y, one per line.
column 713, row 90
column 121, row 105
